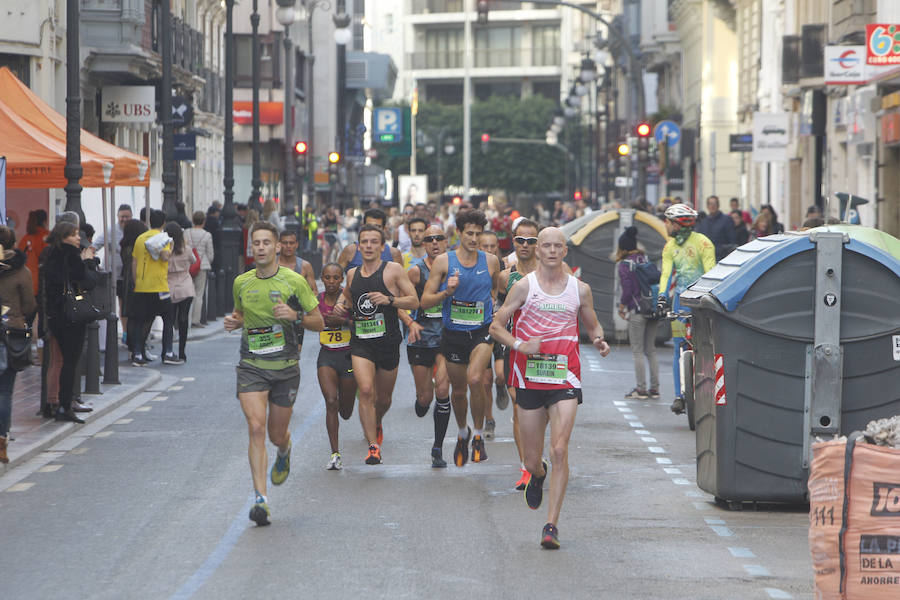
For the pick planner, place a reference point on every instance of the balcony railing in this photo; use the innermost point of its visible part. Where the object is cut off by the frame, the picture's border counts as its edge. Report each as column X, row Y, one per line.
column 486, row 58
column 187, row 43
column 213, row 98
column 790, row 59
column 424, row 7
column 812, row 49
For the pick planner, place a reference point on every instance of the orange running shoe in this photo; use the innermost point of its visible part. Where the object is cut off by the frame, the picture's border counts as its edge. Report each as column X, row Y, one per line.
column 523, row 480
column 374, row 456
column 379, row 435
column 478, row 452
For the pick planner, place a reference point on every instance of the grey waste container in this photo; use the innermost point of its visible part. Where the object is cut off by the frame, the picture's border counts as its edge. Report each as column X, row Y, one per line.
column 795, row 336
column 593, row 240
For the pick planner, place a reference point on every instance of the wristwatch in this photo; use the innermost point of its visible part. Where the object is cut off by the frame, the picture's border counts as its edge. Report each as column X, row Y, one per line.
column 516, row 345
column 600, row 338
column 390, row 299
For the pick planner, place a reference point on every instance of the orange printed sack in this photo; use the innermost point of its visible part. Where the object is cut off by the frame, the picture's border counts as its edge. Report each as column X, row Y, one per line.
column 854, row 528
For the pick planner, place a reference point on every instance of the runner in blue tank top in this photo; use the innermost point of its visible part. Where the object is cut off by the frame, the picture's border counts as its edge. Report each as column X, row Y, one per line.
column 351, row 257
column 465, row 281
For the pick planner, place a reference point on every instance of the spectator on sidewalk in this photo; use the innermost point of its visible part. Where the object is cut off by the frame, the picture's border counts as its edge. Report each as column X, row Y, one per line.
column 718, row 227
column 774, row 225
column 182, row 290
column 34, row 242
column 270, row 214
column 123, row 215
column 200, row 240
column 130, row 232
column 251, row 218
column 151, row 297
column 17, row 295
column 181, row 216
column 741, row 233
column 67, row 266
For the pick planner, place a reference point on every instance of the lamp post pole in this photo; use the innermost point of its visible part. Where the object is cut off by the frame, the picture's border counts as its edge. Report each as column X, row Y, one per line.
column 231, row 227
column 285, row 16
column 165, row 107
column 256, row 182
column 73, row 169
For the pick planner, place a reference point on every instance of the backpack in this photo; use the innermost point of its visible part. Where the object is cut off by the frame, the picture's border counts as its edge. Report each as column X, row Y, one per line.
column 647, row 275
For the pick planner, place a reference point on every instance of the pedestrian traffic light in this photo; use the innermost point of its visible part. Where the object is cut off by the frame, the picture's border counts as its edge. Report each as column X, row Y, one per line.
column 576, row 195
column 300, row 148
column 623, row 149
column 334, row 160
column 483, row 7
column 643, row 129
column 485, row 140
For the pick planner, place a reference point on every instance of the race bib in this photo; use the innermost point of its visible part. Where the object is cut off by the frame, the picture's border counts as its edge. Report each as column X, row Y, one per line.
column 547, row 368
column 435, row 312
column 370, row 327
column 265, row 340
column 338, row 339
column 466, row 313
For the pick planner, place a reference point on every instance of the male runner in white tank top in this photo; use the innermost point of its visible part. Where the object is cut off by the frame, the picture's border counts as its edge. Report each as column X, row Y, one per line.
column 546, row 368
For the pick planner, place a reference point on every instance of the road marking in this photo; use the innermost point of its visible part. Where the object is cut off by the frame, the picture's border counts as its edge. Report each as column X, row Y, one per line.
column 160, row 398
column 187, row 379
column 144, row 409
column 711, row 521
column 722, row 531
column 20, row 487
column 648, row 439
column 81, row 450
column 701, row 505
column 49, row 469
column 122, row 422
column 176, row 388
column 620, row 403
column 681, row 481
column 104, row 434
column 656, row 450
column 631, row 417
column 636, row 424
column 663, row 460
column 778, row 594
column 694, row 494
column 757, row 571
column 642, row 432
column 624, row 409
column 741, row 553
column 672, row 470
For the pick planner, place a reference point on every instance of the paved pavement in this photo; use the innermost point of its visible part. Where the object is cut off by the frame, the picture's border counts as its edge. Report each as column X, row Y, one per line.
column 151, row 501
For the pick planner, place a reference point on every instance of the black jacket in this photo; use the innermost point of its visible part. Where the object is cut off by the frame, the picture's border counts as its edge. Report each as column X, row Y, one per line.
column 64, row 265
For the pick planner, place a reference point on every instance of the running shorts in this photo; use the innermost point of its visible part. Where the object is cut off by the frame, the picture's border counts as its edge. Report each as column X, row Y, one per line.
column 339, row 360
column 534, row 399
column 456, row 346
column 281, row 384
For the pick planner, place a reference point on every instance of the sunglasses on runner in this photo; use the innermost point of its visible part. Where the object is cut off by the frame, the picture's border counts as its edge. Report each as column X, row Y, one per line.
column 433, row 238
column 531, row 241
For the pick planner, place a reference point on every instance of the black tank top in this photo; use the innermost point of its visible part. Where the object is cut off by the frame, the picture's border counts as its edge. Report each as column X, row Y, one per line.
column 377, row 324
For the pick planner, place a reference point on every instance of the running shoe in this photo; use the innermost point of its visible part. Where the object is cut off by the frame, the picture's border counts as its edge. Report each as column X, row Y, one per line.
column 678, row 406
column 550, row 537
column 637, row 394
column 461, row 453
column 379, row 435
column 489, row 426
column 502, row 395
column 137, row 360
column 421, row 411
column 149, row 357
column 282, row 467
column 259, row 512
column 437, row 459
column 478, row 453
column 654, row 394
column 534, row 491
column 335, row 464
column 374, row 456
column 523, row 480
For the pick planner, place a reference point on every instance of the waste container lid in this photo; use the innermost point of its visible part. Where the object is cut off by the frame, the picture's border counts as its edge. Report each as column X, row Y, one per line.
column 730, row 279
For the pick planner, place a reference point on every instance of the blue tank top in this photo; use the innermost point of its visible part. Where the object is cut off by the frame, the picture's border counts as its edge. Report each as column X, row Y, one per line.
column 386, row 256
column 471, row 305
column 431, row 320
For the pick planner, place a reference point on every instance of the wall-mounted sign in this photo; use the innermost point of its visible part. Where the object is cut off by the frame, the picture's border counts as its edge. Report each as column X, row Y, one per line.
column 882, row 44
column 270, row 113
column 771, row 136
column 128, row 104
column 846, row 65
column 890, row 127
column 185, row 146
column 740, row 142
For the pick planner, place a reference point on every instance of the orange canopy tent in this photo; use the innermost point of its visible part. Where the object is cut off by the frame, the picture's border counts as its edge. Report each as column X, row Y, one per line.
column 34, row 143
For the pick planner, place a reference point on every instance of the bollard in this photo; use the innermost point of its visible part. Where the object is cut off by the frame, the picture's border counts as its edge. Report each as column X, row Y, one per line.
column 211, row 296
column 222, row 303
column 92, row 359
column 204, row 299
column 45, row 366
column 111, row 356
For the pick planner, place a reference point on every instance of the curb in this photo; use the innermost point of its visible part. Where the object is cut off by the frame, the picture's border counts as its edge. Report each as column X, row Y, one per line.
column 125, row 393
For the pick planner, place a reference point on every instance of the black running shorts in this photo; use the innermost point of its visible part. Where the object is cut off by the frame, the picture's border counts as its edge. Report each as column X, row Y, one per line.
column 421, row 357
column 339, row 360
column 386, row 356
column 534, row 399
column 281, row 384
column 456, row 346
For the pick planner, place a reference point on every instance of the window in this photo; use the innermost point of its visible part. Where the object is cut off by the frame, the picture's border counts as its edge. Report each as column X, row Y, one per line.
column 545, row 51
column 269, row 63
column 443, row 49
column 445, row 93
column 498, row 47
column 483, row 91
column 299, row 72
column 19, row 64
column 547, row 89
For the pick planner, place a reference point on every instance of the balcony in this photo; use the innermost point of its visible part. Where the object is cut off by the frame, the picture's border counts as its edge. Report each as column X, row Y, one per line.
column 213, row 98
column 426, row 7
column 487, row 58
column 187, row 44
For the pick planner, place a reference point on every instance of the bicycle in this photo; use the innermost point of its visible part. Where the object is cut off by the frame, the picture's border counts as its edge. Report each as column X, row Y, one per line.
column 685, row 365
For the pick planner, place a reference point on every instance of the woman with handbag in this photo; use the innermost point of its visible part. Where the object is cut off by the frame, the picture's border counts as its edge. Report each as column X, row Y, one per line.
column 18, row 306
column 641, row 324
column 68, row 272
column 181, row 287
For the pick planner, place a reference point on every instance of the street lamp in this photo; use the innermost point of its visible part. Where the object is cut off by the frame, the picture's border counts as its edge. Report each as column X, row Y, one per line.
column 342, row 37
column 257, row 181
column 231, row 226
column 73, row 169
column 285, row 16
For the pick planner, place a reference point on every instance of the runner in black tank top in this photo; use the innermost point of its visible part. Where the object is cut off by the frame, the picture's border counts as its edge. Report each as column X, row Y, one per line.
column 375, row 291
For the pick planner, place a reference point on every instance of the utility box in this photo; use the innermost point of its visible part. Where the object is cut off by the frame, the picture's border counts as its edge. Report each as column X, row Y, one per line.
column 795, row 336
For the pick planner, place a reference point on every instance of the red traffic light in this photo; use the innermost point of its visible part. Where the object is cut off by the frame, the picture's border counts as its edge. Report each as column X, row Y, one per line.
column 485, row 137
column 644, row 129
column 300, row 148
column 576, row 195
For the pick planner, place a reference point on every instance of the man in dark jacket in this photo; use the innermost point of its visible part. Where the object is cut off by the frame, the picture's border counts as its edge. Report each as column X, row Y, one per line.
column 718, row 227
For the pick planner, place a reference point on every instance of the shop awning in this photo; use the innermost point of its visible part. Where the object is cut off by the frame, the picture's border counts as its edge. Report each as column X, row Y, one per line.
column 36, row 163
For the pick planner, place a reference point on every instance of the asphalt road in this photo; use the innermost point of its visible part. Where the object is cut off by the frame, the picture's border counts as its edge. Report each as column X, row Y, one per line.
column 151, row 502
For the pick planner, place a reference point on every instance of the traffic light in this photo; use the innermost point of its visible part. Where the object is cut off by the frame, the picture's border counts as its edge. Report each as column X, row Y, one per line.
column 300, row 148
column 485, row 140
column 483, row 7
column 623, row 149
column 334, row 161
column 643, row 129
column 300, row 154
column 576, row 195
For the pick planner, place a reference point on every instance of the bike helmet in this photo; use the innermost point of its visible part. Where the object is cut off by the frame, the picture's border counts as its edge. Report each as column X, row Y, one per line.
column 682, row 214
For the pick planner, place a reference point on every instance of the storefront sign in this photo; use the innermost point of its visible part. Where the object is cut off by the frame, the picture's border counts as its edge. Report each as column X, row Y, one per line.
column 890, row 127
column 771, row 136
column 270, row 113
column 846, row 65
column 129, row 104
column 185, row 146
column 882, row 44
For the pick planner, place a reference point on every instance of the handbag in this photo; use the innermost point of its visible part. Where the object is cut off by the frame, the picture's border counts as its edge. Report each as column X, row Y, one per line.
column 194, row 269
column 77, row 307
column 17, row 343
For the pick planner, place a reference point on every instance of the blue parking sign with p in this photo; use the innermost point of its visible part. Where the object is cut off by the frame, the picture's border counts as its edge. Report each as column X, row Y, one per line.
column 388, row 125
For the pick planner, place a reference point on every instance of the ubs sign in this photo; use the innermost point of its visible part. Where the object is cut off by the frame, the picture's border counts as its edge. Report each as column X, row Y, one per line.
column 129, row 104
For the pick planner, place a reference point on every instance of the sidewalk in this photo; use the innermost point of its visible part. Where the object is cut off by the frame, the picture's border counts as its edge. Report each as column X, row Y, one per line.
column 31, row 434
